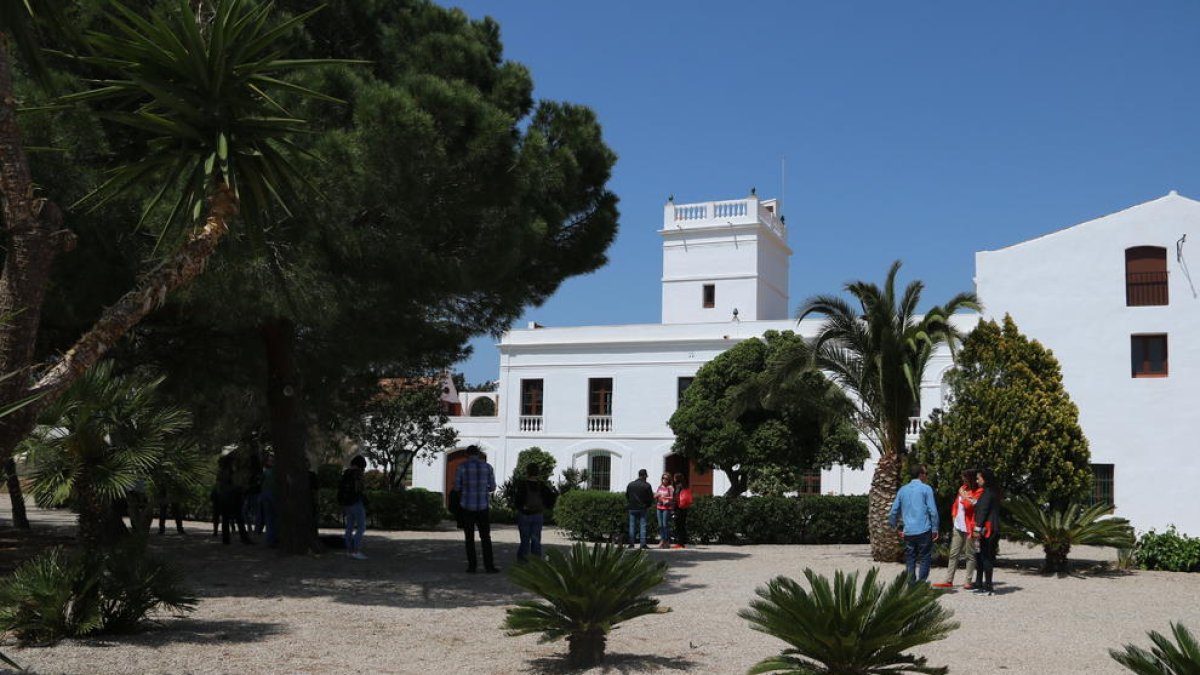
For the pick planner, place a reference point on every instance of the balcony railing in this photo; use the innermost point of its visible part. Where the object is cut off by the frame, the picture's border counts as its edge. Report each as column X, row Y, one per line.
column 599, row 423
column 736, row 211
column 914, row 426
column 529, row 423
column 1145, row 288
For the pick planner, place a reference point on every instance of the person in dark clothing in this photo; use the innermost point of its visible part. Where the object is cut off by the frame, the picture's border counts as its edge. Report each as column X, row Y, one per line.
column 475, row 481
column 987, row 530
column 639, row 496
column 533, row 498
column 229, row 500
column 352, row 493
column 683, row 504
column 176, row 514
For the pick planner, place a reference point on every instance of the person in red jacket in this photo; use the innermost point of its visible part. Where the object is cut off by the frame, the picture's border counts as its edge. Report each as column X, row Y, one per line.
column 962, row 513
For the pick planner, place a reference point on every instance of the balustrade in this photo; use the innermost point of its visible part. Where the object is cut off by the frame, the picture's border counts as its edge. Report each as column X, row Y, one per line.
column 529, row 423
column 599, row 423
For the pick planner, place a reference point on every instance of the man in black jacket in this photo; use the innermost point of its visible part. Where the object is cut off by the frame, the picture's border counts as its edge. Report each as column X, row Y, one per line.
column 640, row 496
column 533, row 497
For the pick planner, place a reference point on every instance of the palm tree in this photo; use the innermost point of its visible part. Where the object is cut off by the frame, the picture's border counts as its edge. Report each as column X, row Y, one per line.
column 878, row 353
column 1060, row 529
column 103, row 439
column 587, row 593
column 848, row 629
column 1166, row 658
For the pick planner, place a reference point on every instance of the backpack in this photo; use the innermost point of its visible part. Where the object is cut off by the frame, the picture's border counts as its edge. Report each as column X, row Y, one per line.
column 685, row 498
column 533, row 498
column 347, row 493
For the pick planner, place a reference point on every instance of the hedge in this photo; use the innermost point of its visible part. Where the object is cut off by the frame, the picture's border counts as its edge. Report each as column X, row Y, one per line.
column 1169, row 551
column 411, row 509
column 817, row 519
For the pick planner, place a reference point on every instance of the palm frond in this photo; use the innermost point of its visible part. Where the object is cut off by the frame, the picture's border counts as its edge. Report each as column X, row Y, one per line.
column 1166, row 657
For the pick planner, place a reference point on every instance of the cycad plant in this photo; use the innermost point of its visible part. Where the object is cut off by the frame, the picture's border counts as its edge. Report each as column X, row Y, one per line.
column 587, row 591
column 1057, row 530
column 846, row 627
column 1181, row 657
column 105, row 437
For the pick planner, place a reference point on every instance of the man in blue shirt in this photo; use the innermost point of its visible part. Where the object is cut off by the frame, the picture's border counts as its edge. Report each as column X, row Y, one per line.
column 475, row 482
column 920, row 525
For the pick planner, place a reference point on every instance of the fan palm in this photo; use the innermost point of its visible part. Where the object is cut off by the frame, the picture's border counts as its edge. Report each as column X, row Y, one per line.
column 848, row 628
column 1166, row 658
column 100, row 440
column 878, row 353
column 587, row 593
column 203, row 90
column 1058, row 530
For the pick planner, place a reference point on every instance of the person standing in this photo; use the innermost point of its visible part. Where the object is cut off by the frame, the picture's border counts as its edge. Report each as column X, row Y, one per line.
column 987, row 530
column 352, row 494
column 476, row 482
column 639, row 495
column 229, row 501
column 962, row 511
column 915, row 503
column 683, row 504
column 266, row 499
column 665, row 496
column 533, row 498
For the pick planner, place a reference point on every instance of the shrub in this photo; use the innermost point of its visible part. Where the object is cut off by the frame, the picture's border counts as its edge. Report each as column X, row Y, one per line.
column 593, row 515
column 1181, row 657
column 412, row 509
column 328, row 475
column 1169, row 551
column 374, row 480
column 847, row 629
column 587, row 592
column 58, row 595
column 1058, row 530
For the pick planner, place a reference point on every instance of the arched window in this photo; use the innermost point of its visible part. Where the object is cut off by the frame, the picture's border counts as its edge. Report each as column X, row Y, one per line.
column 1145, row 276
column 483, row 406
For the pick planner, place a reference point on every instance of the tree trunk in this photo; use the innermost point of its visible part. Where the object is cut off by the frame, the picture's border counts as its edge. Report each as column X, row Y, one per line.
column 294, row 508
column 886, row 546
column 738, row 481
column 34, row 235
column 586, row 649
column 19, row 518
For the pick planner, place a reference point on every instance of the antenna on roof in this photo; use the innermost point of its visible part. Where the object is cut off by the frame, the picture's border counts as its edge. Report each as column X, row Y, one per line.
column 1179, row 248
column 782, row 186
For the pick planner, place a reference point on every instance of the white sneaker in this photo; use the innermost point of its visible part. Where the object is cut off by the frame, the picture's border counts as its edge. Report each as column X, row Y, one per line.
column 357, row 555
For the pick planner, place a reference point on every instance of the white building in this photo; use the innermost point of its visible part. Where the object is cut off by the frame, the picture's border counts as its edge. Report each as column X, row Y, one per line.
column 1113, row 298
column 1100, row 294
column 599, row 397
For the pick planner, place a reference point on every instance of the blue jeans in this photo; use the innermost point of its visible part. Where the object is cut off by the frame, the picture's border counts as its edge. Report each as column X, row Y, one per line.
column 356, row 524
column 637, row 517
column 918, row 548
column 664, row 525
column 266, row 506
column 530, row 528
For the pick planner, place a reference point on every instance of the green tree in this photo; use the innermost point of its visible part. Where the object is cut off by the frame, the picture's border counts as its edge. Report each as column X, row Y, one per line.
column 403, row 425
column 194, row 87
column 106, row 437
column 774, row 437
column 848, row 629
column 877, row 352
column 1009, row 411
column 586, row 593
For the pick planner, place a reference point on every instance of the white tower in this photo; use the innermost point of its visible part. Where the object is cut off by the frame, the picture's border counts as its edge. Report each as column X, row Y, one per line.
column 724, row 257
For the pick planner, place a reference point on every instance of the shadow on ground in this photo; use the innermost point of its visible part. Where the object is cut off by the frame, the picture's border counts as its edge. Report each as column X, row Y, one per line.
column 613, row 663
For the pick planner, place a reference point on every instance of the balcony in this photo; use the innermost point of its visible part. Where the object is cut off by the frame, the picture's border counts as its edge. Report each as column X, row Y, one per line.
column 724, row 213
column 1145, row 288
column 599, row 424
column 913, row 428
column 529, row 424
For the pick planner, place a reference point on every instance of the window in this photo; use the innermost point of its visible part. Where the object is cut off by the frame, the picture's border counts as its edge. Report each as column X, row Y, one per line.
column 680, row 387
column 1145, row 276
column 1102, row 484
column 531, row 397
column 810, row 483
column 1149, row 355
column 710, row 296
column 600, row 392
column 599, row 472
column 483, row 407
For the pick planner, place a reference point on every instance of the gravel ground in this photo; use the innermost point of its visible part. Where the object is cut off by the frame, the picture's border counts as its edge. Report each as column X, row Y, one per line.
column 410, row 608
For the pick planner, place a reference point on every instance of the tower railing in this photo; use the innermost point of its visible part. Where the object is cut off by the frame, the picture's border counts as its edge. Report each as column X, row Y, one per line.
column 745, row 211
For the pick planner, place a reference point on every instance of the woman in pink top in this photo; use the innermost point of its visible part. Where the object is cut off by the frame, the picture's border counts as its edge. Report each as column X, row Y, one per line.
column 665, row 496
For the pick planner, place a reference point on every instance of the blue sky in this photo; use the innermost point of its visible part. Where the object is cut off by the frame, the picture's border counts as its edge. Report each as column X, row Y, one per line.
column 923, row 131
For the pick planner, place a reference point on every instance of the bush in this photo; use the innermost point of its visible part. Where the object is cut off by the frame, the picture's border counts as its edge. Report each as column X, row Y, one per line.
column 1169, row 551
column 412, row 509
column 58, row 595
column 328, row 475
column 817, row 519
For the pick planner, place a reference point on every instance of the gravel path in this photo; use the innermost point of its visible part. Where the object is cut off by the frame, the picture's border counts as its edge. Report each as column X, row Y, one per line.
column 411, row 609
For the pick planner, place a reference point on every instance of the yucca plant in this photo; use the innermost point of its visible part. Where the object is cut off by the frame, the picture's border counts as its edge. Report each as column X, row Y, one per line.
column 846, row 627
column 1057, row 530
column 587, row 592
column 1181, row 657
column 133, row 585
column 52, row 596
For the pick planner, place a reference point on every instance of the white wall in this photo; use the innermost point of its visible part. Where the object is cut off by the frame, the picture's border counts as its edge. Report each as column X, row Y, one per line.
column 1067, row 290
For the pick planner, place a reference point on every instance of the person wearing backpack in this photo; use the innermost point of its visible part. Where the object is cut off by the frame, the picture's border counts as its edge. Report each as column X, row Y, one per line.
column 683, row 504
column 352, row 496
column 533, row 498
